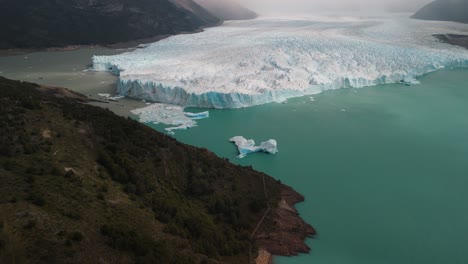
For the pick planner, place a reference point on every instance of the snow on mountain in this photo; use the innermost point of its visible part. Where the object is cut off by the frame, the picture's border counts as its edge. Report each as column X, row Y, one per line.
column 246, row 63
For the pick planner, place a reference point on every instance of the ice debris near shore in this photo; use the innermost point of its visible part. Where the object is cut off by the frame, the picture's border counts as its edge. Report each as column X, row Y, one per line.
column 171, row 115
column 110, row 97
column 247, row 146
column 246, row 63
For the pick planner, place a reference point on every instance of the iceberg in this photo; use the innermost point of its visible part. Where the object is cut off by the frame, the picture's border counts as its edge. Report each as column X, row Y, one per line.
column 246, row 146
column 171, row 115
column 247, row 63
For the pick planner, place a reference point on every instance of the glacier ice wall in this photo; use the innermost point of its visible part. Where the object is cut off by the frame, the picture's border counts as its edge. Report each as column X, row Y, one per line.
column 245, row 63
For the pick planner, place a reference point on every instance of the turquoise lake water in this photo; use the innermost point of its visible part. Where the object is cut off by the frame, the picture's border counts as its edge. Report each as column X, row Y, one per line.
column 384, row 169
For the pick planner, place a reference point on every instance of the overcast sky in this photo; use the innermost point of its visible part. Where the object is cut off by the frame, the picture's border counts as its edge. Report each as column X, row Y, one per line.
column 303, row 6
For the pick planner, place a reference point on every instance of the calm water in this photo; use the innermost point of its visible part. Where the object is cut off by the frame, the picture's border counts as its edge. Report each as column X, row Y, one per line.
column 384, row 169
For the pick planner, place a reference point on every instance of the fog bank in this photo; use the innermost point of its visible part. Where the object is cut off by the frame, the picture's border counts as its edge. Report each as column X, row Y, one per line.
column 316, row 6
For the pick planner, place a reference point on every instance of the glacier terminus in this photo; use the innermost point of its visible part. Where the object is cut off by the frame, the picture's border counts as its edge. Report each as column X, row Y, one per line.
column 253, row 62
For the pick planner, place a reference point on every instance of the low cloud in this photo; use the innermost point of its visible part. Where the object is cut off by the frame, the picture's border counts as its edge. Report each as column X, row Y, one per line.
column 306, row 6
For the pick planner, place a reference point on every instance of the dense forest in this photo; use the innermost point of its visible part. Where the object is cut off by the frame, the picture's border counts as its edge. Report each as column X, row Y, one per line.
column 82, row 185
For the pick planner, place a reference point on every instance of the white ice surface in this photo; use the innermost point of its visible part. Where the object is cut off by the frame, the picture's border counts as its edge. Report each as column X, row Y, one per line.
column 246, row 146
column 245, row 63
column 171, row 115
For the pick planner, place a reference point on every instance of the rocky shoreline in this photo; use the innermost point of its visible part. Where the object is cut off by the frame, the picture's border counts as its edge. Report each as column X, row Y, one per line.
column 290, row 230
column 130, row 45
column 453, row 39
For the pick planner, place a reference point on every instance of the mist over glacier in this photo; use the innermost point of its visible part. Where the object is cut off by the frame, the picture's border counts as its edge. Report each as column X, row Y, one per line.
column 318, row 6
column 246, row 63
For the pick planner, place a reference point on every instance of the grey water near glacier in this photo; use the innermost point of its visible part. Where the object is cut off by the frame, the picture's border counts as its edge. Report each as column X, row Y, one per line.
column 384, row 169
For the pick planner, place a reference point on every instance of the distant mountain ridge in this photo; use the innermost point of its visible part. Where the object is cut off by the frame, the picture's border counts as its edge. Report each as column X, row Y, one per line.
column 227, row 10
column 56, row 23
column 444, row 10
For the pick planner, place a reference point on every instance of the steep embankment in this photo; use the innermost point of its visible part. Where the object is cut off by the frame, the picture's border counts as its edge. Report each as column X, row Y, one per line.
column 82, row 185
column 445, row 10
column 56, row 23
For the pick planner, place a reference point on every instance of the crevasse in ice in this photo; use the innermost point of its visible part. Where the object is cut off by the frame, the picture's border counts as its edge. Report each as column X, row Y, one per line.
column 246, row 63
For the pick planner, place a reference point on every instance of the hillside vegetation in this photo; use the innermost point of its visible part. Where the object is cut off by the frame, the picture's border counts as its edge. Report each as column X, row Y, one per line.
column 82, row 185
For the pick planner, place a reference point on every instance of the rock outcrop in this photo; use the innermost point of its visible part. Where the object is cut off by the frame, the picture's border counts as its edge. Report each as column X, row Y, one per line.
column 290, row 231
column 444, row 10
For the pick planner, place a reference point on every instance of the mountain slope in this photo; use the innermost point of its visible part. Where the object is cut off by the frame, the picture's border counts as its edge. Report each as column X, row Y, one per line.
column 444, row 10
column 227, row 10
column 82, row 185
column 55, row 23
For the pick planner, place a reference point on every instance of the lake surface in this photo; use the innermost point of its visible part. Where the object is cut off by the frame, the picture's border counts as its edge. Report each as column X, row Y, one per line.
column 384, row 169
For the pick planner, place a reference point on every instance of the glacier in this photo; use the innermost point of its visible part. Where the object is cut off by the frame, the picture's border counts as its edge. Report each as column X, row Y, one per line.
column 171, row 115
column 253, row 62
column 246, row 146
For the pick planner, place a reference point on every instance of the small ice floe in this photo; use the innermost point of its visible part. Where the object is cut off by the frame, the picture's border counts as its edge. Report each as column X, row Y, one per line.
column 312, row 99
column 195, row 116
column 343, row 110
column 116, row 98
column 246, row 146
column 171, row 115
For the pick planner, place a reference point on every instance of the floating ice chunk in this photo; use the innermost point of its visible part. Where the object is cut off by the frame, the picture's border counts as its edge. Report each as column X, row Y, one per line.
column 201, row 115
column 104, row 95
column 116, row 98
column 246, row 146
column 312, row 99
column 171, row 115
